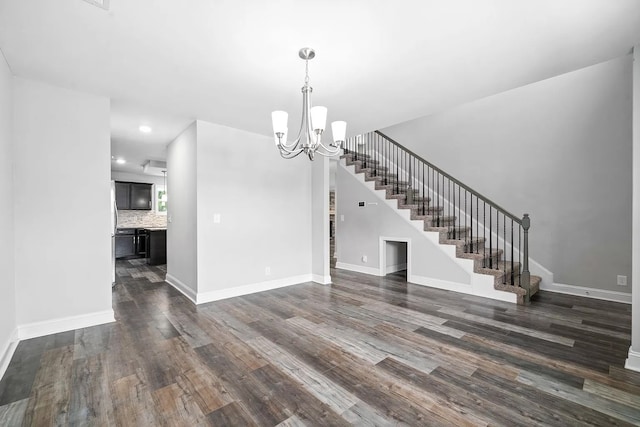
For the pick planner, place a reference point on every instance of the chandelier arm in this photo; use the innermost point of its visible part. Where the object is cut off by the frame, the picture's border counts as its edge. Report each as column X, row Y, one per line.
column 290, row 149
column 290, row 156
column 330, row 150
column 293, row 145
column 328, row 154
column 324, row 154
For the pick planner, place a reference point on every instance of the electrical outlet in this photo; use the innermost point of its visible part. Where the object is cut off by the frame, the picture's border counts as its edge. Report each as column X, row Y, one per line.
column 622, row 280
column 267, row 271
column 364, row 258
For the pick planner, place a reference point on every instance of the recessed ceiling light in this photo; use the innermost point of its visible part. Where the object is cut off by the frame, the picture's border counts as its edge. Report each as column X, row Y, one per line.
column 145, row 129
column 121, row 161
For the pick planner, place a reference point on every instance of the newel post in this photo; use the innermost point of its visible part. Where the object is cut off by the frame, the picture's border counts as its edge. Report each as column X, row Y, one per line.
column 525, row 277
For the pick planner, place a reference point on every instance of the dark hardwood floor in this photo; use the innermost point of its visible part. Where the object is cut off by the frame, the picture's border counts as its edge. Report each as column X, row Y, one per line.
column 364, row 351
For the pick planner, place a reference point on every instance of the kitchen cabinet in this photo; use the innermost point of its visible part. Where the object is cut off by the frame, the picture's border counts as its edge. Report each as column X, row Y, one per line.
column 134, row 195
column 156, row 246
column 123, row 195
column 125, row 242
column 131, row 243
column 142, row 237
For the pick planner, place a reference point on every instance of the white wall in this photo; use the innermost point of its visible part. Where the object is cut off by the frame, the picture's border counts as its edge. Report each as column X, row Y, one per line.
column 633, row 362
column 62, row 165
column 320, row 220
column 559, row 149
column 359, row 235
column 182, row 235
column 264, row 207
column 7, row 284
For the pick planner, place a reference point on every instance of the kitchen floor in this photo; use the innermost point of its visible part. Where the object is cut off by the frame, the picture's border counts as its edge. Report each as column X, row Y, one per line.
column 139, row 269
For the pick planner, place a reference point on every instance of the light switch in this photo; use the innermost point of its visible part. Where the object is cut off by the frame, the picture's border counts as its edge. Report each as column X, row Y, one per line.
column 341, row 217
column 216, row 218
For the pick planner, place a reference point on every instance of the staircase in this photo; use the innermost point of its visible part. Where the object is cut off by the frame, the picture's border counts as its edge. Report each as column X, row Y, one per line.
column 446, row 207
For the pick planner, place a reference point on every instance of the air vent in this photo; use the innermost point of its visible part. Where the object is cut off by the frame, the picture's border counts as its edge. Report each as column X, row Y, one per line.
column 102, row 4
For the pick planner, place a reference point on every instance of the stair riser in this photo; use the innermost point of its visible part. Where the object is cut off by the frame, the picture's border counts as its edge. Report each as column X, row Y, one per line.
column 446, row 236
column 393, row 194
column 363, row 164
column 501, row 271
column 471, row 247
column 399, row 184
column 459, row 234
column 440, row 222
column 415, row 200
column 375, row 170
column 489, row 261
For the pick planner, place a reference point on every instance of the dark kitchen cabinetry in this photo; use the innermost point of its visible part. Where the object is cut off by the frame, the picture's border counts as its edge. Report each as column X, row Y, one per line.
column 134, row 195
column 156, row 246
column 123, row 195
column 142, row 237
column 125, row 242
column 131, row 243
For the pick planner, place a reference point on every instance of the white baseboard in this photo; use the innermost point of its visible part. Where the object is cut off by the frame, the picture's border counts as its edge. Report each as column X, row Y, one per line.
column 48, row 327
column 7, row 350
column 323, row 280
column 181, row 287
column 582, row 291
column 358, row 268
column 633, row 361
column 440, row 284
column 396, row 268
column 204, row 297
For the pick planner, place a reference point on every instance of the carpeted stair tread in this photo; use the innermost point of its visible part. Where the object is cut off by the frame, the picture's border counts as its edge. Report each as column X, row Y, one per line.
column 464, row 245
column 500, row 269
column 416, row 207
column 482, row 255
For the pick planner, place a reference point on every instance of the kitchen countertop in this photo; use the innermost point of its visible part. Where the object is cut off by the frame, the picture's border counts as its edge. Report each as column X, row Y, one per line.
column 141, row 228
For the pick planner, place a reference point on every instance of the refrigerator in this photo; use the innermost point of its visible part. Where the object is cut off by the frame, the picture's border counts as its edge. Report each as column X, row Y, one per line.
column 114, row 226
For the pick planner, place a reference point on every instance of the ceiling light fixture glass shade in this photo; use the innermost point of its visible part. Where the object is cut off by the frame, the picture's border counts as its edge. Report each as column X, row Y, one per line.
column 312, row 126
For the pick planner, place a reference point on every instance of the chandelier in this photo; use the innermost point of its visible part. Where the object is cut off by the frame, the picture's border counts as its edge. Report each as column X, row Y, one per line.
column 312, row 125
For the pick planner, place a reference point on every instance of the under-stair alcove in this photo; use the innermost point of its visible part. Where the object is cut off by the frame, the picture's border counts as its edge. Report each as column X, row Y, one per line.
column 394, row 255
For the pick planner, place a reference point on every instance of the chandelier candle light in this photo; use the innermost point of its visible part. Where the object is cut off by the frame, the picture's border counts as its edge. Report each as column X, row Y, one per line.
column 313, row 123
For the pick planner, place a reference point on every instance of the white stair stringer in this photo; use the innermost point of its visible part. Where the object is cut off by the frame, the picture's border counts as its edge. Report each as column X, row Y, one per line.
column 478, row 284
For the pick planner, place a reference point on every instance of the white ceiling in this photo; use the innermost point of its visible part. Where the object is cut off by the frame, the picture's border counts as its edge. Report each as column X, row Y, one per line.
column 232, row 62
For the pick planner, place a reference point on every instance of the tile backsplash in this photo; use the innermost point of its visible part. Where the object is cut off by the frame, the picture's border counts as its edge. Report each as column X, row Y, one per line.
column 140, row 219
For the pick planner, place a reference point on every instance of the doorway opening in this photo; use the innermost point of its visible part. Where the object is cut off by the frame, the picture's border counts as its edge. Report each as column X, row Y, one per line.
column 394, row 257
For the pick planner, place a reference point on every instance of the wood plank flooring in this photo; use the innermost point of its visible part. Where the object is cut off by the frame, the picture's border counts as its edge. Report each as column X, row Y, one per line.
column 364, row 351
